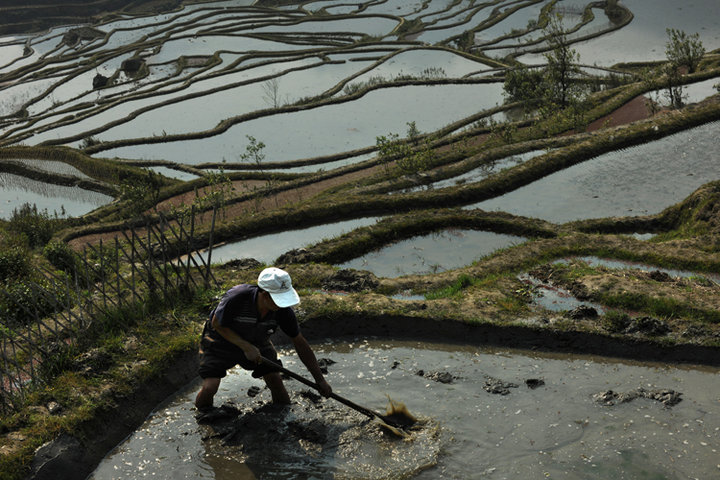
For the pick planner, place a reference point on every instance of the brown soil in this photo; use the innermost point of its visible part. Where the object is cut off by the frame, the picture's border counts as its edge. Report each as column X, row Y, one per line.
column 275, row 200
column 636, row 109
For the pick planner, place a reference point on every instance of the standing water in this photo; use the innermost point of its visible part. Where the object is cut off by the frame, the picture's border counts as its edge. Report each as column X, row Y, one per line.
column 483, row 413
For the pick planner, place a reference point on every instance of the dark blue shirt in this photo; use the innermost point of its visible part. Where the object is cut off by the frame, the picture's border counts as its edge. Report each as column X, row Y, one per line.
column 238, row 311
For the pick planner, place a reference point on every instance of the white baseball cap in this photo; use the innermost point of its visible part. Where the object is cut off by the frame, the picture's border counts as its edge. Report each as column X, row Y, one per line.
column 278, row 284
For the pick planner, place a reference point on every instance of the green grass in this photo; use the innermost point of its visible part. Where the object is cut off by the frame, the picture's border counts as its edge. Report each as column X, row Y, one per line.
column 657, row 306
column 455, row 290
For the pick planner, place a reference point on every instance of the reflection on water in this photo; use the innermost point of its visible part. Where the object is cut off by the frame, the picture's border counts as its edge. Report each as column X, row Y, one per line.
column 267, row 248
column 434, row 252
column 641, row 180
column 73, row 201
column 557, row 430
column 335, row 128
column 483, row 171
column 554, row 298
column 173, row 173
column 645, row 37
column 49, row 166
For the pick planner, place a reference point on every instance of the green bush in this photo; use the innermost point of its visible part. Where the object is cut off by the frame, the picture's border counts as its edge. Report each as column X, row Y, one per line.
column 61, row 256
column 14, row 263
column 36, row 226
column 684, row 50
column 20, row 301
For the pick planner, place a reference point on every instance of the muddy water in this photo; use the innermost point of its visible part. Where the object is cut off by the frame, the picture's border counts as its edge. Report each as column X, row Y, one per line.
column 556, row 430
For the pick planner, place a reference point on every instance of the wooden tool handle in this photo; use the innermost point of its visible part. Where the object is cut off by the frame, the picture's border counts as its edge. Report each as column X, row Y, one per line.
column 344, row 401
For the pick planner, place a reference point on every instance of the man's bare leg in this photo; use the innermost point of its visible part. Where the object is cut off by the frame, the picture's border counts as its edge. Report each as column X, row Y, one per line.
column 204, row 398
column 277, row 389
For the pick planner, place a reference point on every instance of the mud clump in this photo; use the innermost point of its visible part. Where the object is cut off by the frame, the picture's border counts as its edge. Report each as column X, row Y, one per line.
column 324, row 363
column 497, row 386
column 243, row 263
column 440, row 377
column 581, row 312
column 347, row 280
column 222, row 413
column 648, row 326
column 533, row 383
column 296, row 255
column 314, row 431
column 659, row 276
column 667, row 397
column 579, row 290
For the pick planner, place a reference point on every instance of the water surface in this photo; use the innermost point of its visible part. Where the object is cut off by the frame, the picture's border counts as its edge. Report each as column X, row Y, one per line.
column 640, row 180
column 557, row 430
column 432, row 253
column 55, row 199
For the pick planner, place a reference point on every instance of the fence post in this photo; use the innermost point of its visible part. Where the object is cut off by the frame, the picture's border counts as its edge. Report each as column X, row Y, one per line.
column 210, row 244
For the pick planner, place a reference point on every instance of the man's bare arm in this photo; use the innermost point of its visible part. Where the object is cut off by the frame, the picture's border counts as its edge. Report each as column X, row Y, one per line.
column 307, row 356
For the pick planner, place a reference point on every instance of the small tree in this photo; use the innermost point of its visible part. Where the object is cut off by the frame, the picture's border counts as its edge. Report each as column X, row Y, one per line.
column 562, row 62
column 141, row 193
column 553, row 87
column 683, row 50
column 408, row 160
column 255, row 153
column 525, row 85
column 217, row 193
column 271, row 92
column 673, row 87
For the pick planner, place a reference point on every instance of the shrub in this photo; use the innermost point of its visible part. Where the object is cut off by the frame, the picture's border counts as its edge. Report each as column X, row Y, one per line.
column 141, row 193
column 61, row 256
column 684, row 50
column 14, row 263
column 524, row 85
column 36, row 226
column 20, row 302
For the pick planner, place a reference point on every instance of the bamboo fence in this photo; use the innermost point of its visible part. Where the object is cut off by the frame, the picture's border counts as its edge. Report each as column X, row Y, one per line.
column 151, row 262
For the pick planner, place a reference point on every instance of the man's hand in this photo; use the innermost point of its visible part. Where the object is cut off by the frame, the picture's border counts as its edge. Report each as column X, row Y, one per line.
column 324, row 388
column 252, row 353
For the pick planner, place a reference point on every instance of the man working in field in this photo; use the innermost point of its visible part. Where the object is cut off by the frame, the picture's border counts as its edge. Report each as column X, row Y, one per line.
column 238, row 333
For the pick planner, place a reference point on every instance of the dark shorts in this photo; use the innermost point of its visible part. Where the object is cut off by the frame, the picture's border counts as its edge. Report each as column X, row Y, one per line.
column 214, row 362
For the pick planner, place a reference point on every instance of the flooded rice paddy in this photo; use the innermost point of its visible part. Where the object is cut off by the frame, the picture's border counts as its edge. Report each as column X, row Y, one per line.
column 644, row 38
column 436, row 252
column 252, row 68
column 484, row 413
column 55, row 199
column 640, row 180
column 551, row 297
column 267, row 248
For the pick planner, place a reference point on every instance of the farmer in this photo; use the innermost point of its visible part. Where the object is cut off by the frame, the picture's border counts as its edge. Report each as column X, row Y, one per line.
column 238, row 333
